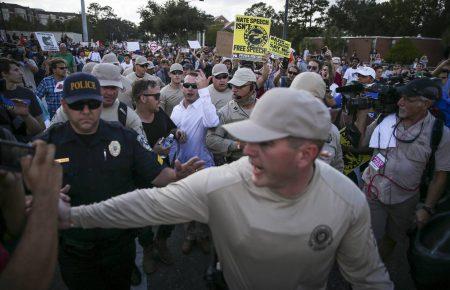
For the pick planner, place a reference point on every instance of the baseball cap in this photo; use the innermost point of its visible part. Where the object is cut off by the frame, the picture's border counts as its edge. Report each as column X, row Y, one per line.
column 284, row 112
column 141, row 60
column 219, row 68
column 425, row 87
column 366, row 71
column 108, row 75
column 311, row 82
column 81, row 86
column 110, row 58
column 87, row 68
column 242, row 76
column 176, row 67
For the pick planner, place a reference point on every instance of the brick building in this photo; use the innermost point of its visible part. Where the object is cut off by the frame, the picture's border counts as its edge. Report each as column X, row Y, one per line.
column 9, row 11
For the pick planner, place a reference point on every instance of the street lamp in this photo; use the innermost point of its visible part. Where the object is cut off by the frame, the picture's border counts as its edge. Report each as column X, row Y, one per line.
column 84, row 22
column 285, row 26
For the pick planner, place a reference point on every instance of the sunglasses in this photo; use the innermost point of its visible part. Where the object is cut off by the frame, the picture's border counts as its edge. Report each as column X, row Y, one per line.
column 177, row 72
column 61, row 67
column 79, row 106
column 293, row 73
column 312, row 67
column 189, row 85
column 143, row 65
column 156, row 96
column 221, row 76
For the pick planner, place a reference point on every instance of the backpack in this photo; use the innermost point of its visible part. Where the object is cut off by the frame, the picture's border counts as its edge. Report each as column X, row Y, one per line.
column 122, row 111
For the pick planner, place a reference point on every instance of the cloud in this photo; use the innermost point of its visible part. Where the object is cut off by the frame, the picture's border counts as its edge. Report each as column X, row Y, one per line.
column 227, row 8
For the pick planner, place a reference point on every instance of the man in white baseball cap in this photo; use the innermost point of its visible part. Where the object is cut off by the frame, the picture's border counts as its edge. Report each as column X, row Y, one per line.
column 279, row 217
column 366, row 75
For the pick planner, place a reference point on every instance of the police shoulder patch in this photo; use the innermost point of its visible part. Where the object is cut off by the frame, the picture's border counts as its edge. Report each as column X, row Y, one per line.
column 143, row 141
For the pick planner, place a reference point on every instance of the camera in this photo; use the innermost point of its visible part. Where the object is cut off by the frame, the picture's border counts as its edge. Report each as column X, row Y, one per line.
column 379, row 97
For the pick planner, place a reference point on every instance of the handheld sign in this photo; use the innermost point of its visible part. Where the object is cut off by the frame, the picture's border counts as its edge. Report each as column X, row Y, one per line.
column 279, row 47
column 133, row 46
column 251, row 37
column 194, row 44
column 47, row 41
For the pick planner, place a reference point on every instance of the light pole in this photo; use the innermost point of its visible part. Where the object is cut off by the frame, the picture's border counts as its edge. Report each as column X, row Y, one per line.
column 285, row 26
column 84, row 22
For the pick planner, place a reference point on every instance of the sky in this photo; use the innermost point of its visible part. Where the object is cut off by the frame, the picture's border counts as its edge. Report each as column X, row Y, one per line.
column 127, row 9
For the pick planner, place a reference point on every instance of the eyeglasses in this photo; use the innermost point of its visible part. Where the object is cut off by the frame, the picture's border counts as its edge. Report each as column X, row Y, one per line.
column 293, row 73
column 156, row 96
column 311, row 67
column 79, row 106
column 221, row 76
column 61, row 67
column 177, row 72
column 189, row 85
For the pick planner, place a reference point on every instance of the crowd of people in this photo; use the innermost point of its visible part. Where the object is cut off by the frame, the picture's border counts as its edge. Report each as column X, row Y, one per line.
column 282, row 167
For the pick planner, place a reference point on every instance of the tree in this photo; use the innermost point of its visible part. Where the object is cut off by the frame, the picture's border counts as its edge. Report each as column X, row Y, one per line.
column 403, row 52
column 175, row 19
column 332, row 38
column 260, row 9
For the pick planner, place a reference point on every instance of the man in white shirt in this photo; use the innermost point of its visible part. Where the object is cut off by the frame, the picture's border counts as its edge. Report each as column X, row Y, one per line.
column 351, row 72
column 95, row 56
column 126, row 62
column 195, row 114
column 280, row 218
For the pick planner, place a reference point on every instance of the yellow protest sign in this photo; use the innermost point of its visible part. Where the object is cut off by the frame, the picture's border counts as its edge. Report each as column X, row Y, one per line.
column 279, row 46
column 351, row 161
column 251, row 37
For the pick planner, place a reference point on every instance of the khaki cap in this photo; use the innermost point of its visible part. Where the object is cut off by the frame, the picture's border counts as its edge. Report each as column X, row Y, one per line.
column 311, row 82
column 284, row 112
column 243, row 76
column 108, row 75
column 141, row 60
column 176, row 67
column 110, row 58
column 87, row 68
column 219, row 68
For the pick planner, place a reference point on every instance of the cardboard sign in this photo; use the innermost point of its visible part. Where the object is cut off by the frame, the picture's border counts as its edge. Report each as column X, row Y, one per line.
column 133, row 46
column 251, row 37
column 224, row 43
column 279, row 46
column 47, row 41
column 154, row 47
column 194, row 44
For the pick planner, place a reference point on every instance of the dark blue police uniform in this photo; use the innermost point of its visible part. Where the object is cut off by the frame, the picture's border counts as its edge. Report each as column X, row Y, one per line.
column 113, row 161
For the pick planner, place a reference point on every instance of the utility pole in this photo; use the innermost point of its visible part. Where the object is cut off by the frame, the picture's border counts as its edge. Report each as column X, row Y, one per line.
column 285, row 26
column 84, row 22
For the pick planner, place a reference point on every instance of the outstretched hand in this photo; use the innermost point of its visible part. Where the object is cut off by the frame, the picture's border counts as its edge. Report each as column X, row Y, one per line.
column 202, row 81
column 183, row 170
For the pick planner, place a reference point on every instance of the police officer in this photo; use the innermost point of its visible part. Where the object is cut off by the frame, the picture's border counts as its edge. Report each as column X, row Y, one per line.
column 100, row 160
column 279, row 217
column 224, row 147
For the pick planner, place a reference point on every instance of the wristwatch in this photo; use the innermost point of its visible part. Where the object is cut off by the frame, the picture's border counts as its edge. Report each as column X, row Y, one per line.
column 428, row 209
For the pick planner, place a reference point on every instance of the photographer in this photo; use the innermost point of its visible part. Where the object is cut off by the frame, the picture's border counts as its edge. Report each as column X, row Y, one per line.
column 25, row 104
column 31, row 265
column 402, row 146
column 286, row 74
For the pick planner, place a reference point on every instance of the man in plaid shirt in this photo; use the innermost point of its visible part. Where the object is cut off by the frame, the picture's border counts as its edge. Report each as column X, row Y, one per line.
column 46, row 89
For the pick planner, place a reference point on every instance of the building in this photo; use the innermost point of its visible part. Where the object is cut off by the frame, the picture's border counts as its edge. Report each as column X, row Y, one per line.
column 433, row 48
column 33, row 15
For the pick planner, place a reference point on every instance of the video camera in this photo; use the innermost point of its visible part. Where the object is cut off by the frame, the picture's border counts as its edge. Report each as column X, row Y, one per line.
column 13, row 50
column 379, row 97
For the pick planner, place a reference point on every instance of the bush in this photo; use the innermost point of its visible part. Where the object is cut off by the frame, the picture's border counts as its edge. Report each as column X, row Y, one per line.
column 403, row 52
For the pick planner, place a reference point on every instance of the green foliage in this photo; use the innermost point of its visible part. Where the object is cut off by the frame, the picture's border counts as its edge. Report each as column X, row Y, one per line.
column 260, row 9
column 174, row 19
column 403, row 52
column 211, row 34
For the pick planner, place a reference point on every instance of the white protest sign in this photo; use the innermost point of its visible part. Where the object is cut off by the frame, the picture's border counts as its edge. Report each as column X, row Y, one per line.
column 194, row 44
column 47, row 41
column 133, row 46
column 154, row 47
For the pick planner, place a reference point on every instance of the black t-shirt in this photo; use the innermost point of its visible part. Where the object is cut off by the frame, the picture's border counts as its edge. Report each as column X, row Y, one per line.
column 25, row 94
column 160, row 127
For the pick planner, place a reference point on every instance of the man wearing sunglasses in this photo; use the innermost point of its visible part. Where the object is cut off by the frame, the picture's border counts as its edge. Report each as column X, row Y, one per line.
column 113, row 110
column 101, row 159
column 172, row 94
column 195, row 114
column 219, row 91
column 226, row 148
column 285, row 77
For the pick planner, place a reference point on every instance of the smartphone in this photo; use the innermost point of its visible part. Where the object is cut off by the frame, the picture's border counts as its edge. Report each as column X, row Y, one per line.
column 11, row 152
